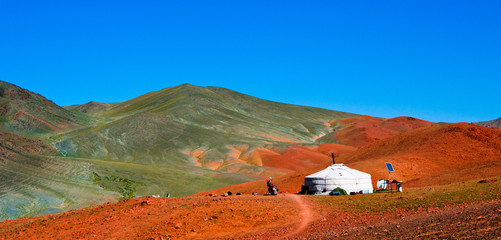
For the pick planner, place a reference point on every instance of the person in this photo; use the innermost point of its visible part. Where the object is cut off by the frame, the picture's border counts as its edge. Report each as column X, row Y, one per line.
column 269, row 182
column 271, row 187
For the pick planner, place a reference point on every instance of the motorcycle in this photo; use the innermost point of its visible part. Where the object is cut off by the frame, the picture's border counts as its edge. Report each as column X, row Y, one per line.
column 272, row 188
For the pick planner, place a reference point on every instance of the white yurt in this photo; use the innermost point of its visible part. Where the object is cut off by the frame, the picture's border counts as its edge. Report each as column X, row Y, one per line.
column 338, row 175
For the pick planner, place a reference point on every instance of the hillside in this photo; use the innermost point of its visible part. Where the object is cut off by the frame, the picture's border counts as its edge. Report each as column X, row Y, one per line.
column 439, row 154
column 32, row 182
column 493, row 123
column 90, row 107
column 187, row 131
column 27, row 113
column 435, row 155
column 363, row 130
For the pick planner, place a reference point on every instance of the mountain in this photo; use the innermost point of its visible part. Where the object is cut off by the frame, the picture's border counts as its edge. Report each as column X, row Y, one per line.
column 28, row 113
column 493, row 123
column 178, row 141
column 193, row 131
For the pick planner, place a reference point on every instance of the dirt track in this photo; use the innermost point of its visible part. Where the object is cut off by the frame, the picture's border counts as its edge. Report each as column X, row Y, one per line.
column 306, row 215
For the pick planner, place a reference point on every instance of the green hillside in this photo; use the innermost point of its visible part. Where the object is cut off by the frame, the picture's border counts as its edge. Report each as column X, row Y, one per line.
column 27, row 113
column 34, row 182
column 160, row 129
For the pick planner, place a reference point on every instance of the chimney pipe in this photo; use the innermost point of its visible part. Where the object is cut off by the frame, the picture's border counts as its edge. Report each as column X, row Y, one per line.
column 333, row 160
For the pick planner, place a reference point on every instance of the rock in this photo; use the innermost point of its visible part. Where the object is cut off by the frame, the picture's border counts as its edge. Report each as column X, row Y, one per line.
column 178, row 225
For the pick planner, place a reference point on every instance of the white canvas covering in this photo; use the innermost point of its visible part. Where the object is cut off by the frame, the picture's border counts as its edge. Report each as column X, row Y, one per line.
column 339, row 175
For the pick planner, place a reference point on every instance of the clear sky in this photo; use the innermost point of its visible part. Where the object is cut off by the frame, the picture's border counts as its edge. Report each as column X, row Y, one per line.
column 435, row 60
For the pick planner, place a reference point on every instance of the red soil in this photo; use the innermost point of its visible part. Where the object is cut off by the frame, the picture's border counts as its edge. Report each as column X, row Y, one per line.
column 263, row 217
column 363, row 130
column 298, row 158
column 163, row 218
column 306, row 215
column 435, row 155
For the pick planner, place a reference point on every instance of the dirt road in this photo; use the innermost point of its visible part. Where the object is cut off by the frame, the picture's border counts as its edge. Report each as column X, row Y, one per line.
column 306, row 215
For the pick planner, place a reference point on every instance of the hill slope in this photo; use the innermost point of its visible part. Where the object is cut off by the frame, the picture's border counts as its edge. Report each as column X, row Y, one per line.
column 188, row 129
column 435, row 155
column 33, row 183
column 439, row 154
column 493, row 123
column 27, row 113
column 363, row 130
column 90, row 107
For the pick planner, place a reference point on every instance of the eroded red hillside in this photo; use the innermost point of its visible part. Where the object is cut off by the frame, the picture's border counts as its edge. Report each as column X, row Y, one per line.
column 297, row 158
column 295, row 161
column 363, row 130
column 435, row 155
column 438, row 154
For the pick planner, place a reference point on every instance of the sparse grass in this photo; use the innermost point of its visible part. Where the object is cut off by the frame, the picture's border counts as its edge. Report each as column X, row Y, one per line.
column 414, row 199
column 157, row 180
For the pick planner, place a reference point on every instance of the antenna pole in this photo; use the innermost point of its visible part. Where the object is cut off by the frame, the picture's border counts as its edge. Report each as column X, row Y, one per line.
column 333, row 160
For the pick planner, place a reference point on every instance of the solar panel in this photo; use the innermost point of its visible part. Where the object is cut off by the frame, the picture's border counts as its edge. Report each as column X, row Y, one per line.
column 390, row 167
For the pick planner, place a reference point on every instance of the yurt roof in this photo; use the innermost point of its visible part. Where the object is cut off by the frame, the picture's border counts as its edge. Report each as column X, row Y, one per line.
column 338, row 171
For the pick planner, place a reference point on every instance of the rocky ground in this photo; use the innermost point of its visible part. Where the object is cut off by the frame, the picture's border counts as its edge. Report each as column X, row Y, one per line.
column 475, row 221
column 436, row 212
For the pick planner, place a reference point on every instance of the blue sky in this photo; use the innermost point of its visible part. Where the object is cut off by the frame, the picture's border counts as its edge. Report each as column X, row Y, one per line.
column 435, row 60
